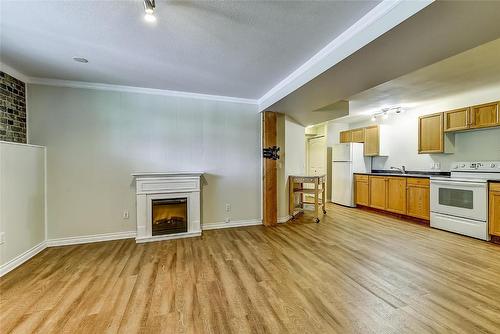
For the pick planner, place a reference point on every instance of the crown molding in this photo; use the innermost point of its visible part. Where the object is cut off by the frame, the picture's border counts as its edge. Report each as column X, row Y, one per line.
column 376, row 22
column 385, row 16
column 132, row 89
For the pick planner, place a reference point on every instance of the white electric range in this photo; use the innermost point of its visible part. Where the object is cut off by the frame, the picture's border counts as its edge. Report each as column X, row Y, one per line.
column 459, row 203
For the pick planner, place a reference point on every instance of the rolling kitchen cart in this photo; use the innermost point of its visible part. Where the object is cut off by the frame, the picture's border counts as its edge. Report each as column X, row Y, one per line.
column 297, row 193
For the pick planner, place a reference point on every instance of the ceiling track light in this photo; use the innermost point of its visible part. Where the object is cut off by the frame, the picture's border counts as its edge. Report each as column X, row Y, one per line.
column 149, row 8
column 384, row 113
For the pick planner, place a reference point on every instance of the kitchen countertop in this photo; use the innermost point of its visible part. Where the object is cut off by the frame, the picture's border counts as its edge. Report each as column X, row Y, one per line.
column 422, row 174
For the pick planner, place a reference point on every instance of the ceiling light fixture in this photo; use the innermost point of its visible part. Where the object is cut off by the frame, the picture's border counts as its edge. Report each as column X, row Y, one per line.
column 80, row 60
column 384, row 112
column 149, row 8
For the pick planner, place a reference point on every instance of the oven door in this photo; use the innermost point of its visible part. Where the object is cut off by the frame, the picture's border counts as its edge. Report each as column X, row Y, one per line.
column 459, row 198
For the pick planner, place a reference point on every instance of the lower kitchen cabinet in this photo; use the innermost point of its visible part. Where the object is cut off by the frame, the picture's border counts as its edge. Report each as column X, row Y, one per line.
column 403, row 195
column 418, row 198
column 494, row 219
column 396, row 195
column 378, row 190
column 362, row 193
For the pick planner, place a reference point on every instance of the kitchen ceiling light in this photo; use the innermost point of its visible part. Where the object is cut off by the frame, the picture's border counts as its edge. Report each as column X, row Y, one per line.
column 149, row 7
column 80, row 60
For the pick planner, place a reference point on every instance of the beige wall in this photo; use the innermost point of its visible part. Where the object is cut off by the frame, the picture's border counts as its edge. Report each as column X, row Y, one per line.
column 22, row 200
column 96, row 139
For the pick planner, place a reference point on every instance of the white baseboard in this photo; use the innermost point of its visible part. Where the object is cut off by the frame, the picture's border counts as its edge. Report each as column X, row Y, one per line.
column 282, row 220
column 169, row 237
column 20, row 259
column 236, row 223
column 90, row 238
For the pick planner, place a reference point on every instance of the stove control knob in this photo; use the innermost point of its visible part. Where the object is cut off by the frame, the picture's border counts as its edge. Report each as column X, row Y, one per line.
column 462, row 165
column 493, row 165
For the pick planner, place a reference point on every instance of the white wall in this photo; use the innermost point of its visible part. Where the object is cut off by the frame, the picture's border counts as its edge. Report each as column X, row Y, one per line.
column 22, row 200
column 96, row 139
column 469, row 145
column 295, row 158
column 291, row 139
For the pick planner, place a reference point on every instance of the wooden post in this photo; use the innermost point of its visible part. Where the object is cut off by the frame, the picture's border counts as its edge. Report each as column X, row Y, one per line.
column 270, row 182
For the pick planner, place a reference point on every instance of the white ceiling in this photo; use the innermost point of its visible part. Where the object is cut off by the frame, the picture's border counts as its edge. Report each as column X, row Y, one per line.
column 230, row 48
column 475, row 69
column 441, row 30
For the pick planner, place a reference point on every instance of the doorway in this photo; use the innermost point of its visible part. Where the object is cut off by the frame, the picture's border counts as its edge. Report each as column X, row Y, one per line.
column 316, row 159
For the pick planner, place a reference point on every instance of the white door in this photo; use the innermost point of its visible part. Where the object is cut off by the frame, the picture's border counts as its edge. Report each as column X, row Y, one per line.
column 316, row 160
column 317, row 156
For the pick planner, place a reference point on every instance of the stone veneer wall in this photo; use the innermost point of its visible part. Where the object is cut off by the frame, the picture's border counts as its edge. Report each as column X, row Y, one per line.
column 12, row 109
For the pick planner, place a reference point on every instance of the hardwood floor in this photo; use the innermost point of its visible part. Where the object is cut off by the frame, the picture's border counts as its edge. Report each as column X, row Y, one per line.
column 355, row 272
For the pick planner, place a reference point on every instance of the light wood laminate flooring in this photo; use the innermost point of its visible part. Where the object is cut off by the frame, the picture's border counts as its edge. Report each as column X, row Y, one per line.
column 355, row 272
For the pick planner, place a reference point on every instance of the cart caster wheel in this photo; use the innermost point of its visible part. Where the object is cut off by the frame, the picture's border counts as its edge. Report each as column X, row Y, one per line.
column 316, row 220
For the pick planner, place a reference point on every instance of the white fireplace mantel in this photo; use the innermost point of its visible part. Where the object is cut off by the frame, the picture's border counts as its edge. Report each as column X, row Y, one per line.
column 164, row 185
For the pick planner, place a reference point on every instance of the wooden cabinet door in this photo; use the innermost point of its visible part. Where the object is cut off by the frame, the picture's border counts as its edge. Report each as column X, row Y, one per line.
column 455, row 120
column 484, row 115
column 362, row 190
column 418, row 198
column 430, row 133
column 494, row 219
column 358, row 135
column 346, row 136
column 396, row 195
column 372, row 141
column 378, row 195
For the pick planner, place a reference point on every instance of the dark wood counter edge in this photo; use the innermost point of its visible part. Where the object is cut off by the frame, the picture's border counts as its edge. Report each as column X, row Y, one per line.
column 411, row 172
column 395, row 175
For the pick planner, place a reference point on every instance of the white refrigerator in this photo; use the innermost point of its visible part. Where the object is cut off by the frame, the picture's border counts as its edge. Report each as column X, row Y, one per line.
column 347, row 159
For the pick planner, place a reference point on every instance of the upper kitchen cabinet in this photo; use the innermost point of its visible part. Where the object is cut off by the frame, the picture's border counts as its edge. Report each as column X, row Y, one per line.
column 346, row 136
column 358, row 135
column 475, row 117
column 484, row 115
column 455, row 120
column 376, row 140
column 431, row 137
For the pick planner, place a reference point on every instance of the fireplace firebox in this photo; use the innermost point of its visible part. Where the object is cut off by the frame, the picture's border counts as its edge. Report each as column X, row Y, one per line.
column 169, row 216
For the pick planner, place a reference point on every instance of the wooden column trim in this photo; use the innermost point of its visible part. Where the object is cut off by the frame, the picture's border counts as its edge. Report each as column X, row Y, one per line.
column 270, row 178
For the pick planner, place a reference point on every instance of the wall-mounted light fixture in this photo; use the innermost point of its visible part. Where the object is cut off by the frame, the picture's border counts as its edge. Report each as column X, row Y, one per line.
column 149, row 8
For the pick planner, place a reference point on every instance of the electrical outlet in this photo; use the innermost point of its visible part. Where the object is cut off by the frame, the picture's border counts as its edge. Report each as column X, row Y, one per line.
column 228, row 220
column 2, row 237
column 126, row 214
column 437, row 165
column 228, row 207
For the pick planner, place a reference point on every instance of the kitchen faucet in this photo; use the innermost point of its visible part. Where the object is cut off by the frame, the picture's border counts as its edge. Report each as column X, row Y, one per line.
column 402, row 169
